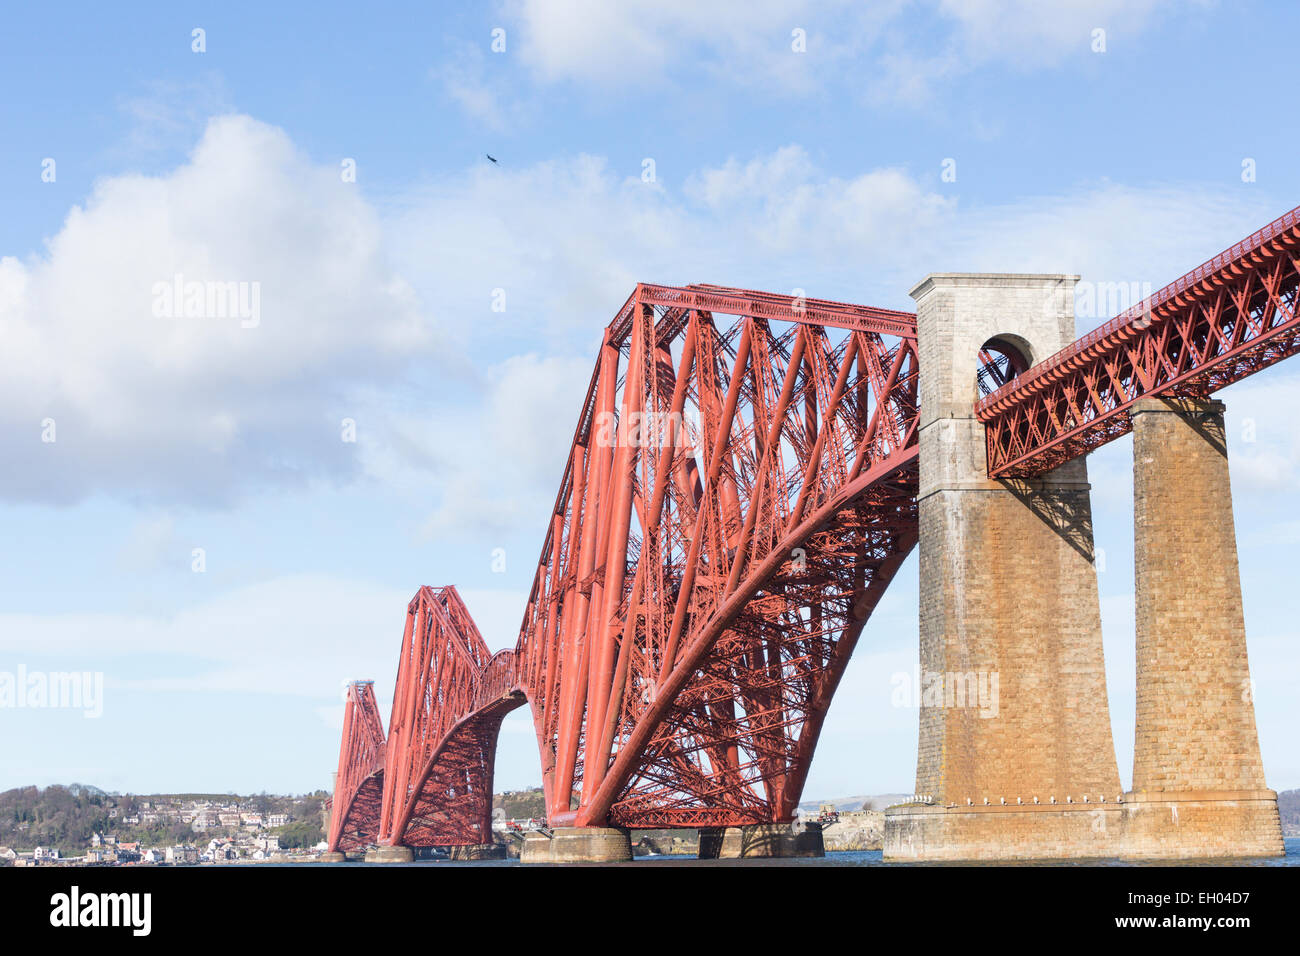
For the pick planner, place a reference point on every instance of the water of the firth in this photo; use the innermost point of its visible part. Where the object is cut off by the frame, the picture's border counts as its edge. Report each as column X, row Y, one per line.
column 865, row 858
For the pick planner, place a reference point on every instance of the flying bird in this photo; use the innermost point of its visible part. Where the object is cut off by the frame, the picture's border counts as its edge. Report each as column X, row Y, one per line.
column 490, row 156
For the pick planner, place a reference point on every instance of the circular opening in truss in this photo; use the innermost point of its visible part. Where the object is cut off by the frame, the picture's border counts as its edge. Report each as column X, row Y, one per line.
column 1000, row 361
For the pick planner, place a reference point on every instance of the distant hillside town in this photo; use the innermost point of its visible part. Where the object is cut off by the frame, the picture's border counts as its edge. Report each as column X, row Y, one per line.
column 83, row 824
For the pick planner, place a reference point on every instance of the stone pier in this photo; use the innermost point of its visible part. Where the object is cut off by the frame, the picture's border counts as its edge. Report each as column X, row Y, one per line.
column 478, row 851
column 710, row 845
column 771, row 841
column 1198, row 778
column 1015, row 757
column 390, row 854
column 577, row 845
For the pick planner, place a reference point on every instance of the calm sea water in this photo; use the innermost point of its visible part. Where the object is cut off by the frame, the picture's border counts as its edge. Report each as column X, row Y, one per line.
column 859, row 858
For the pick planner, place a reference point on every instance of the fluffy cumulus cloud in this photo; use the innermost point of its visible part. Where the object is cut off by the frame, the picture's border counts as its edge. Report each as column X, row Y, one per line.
column 287, row 305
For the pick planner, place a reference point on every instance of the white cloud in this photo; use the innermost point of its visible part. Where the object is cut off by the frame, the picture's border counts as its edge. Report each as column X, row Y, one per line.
column 628, row 42
column 898, row 51
column 782, row 201
column 564, row 240
column 636, row 42
column 1028, row 33
column 567, row 240
column 200, row 408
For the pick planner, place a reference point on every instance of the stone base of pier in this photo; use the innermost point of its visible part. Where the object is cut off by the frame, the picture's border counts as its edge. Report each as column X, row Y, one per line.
column 577, row 845
column 922, row 833
column 333, row 856
column 1154, row 826
column 1201, row 825
column 390, row 854
column 478, row 851
column 763, row 841
column 710, row 844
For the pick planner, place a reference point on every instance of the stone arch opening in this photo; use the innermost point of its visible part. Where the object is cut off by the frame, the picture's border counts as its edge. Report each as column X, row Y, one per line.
column 1001, row 359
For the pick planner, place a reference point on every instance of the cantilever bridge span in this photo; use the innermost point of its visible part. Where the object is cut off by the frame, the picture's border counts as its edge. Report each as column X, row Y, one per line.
column 737, row 497
column 740, row 490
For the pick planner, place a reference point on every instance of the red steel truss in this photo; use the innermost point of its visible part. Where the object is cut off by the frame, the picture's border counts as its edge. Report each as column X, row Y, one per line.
column 354, row 810
column 447, row 708
column 737, row 497
column 1226, row 319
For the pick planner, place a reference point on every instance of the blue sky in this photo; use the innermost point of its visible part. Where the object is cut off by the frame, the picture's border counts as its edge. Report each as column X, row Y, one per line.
column 773, row 169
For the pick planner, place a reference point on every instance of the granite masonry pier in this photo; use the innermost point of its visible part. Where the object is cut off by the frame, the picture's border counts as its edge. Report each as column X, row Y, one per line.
column 1015, row 758
column 1014, row 726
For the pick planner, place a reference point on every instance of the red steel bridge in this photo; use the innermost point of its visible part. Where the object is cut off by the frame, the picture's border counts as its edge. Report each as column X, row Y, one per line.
column 739, row 493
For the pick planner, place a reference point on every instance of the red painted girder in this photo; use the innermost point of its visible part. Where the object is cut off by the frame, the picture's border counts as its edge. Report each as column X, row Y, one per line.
column 766, row 305
column 1229, row 318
